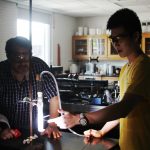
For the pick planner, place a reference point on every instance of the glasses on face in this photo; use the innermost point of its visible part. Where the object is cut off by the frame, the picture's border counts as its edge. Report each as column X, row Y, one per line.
column 118, row 38
column 21, row 57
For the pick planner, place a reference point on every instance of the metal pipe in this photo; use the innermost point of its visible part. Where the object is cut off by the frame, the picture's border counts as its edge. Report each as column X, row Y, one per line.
column 30, row 37
column 30, row 21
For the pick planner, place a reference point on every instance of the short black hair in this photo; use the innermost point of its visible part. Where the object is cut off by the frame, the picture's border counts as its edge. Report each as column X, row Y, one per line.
column 127, row 19
column 12, row 43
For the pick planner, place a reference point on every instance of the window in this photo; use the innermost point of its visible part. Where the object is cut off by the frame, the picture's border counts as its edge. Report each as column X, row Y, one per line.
column 40, row 38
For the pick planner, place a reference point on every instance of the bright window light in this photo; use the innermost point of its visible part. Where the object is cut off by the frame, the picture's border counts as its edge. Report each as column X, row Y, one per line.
column 40, row 38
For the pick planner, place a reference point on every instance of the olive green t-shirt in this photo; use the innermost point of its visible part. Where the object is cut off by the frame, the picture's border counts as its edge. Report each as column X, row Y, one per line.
column 135, row 128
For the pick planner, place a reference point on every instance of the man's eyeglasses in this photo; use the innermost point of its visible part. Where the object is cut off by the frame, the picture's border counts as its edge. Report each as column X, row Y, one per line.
column 118, row 38
column 21, row 57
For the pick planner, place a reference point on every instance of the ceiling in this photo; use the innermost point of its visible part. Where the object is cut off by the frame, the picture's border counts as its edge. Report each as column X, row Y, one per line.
column 85, row 8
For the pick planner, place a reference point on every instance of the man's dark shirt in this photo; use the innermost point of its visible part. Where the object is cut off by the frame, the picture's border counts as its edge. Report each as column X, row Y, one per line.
column 12, row 93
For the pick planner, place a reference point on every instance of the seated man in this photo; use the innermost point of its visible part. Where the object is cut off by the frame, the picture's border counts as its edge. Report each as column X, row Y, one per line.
column 17, row 81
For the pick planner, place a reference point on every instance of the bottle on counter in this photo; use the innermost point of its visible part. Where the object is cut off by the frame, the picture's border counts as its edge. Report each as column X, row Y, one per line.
column 105, row 69
column 73, row 68
column 110, row 70
column 89, row 68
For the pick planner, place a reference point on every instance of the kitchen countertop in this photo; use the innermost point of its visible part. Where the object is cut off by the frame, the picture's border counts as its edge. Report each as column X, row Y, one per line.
column 68, row 141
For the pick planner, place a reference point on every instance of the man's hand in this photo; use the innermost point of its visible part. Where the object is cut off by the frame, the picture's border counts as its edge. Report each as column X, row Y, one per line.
column 52, row 131
column 7, row 134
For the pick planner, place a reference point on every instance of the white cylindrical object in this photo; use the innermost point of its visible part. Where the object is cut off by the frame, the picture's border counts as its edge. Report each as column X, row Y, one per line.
column 73, row 68
column 104, row 69
column 98, row 31
column 85, row 30
column 89, row 68
column 110, row 70
column 92, row 31
column 80, row 30
column 40, row 112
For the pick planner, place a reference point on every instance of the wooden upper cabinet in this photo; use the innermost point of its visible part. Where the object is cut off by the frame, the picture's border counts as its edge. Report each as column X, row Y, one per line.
column 146, row 43
column 84, row 47
column 98, row 46
column 93, row 46
column 80, row 47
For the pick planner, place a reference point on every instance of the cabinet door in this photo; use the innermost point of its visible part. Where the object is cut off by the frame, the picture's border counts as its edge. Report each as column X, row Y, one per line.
column 98, row 46
column 80, row 47
column 146, row 43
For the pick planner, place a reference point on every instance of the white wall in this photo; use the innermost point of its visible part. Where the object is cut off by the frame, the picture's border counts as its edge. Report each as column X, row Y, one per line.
column 144, row 16
column 8, row 15
column 39, row 16
column 92, row 22
column 100, row 22
column 64, row 27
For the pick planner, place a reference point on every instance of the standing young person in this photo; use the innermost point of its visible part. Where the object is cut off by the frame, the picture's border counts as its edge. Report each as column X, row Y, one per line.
column 133, row 110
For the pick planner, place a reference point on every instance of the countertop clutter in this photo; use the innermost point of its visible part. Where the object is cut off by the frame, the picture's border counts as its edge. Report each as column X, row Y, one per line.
column 68, row 141
column 91, row 90
column 80, row 91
